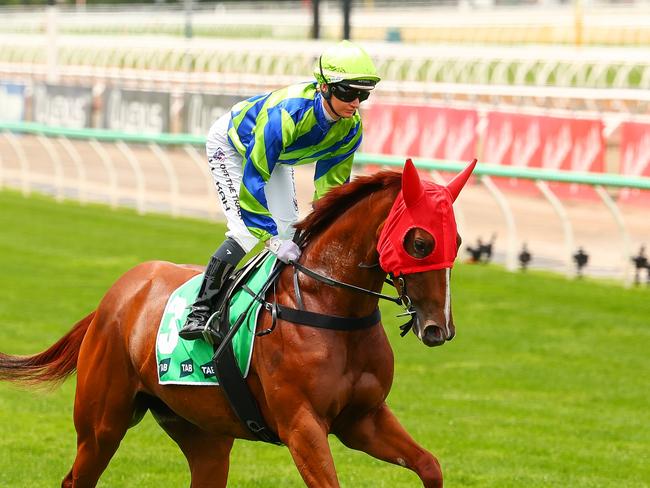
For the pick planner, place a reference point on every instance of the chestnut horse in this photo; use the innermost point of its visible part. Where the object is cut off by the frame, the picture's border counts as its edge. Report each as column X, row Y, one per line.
column 347, row 374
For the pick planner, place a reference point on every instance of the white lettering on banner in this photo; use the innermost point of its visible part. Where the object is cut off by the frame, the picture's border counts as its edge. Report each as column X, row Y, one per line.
column 134, row 116
column 200, row 116
column 12, row 105
column 405, row 134
column 556, row 149
column 498, row 143
column 113, row 111
column 432, row 135
column 377, row 133
column 524, row 146
column 586, row 150
column 459, row 139
column 636, row 157
column 59, row 109
column 635, row 161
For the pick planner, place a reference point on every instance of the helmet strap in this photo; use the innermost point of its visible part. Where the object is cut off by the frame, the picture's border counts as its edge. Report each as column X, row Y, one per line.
column 327, row 95
column 329, row 103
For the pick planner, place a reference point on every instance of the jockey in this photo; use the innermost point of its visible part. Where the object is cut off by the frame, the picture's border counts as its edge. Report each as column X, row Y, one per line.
column 251, row 153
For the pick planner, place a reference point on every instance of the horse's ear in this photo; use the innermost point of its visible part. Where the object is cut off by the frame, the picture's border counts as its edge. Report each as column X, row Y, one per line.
column 457, row 184
column 411, row 185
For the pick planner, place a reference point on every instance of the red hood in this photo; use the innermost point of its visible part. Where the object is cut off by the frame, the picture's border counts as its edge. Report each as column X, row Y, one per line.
column 428, row 206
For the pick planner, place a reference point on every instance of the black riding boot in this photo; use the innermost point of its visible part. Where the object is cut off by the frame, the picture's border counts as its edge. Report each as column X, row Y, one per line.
column 220, row 267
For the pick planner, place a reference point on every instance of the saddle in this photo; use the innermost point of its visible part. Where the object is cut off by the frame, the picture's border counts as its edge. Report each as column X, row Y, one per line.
column 218, row 324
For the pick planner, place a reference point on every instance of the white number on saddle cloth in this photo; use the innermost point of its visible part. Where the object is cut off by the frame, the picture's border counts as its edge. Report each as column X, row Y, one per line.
column 168, row 337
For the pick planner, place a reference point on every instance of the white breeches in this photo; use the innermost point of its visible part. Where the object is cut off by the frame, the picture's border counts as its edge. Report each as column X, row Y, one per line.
column 226, row 166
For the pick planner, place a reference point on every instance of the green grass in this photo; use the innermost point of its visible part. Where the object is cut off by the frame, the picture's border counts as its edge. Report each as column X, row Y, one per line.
column 545, row 385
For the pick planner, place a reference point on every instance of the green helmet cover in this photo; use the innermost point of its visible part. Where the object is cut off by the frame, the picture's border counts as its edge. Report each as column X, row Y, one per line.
column 346, row 61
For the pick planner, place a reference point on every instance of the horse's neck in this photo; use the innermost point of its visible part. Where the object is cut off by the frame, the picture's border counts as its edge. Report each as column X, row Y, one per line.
column 350, row 242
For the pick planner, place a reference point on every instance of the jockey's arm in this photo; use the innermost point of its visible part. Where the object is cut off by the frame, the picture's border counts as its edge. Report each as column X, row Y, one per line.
column 337, row 167
column 330, row 173
column 271, row 135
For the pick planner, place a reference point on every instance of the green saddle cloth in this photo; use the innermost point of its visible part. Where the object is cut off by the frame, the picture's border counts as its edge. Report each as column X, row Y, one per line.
column 182, row 362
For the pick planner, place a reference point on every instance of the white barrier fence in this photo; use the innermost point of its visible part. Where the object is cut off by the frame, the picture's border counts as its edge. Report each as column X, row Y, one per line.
column 167, row 173
column 561, row 74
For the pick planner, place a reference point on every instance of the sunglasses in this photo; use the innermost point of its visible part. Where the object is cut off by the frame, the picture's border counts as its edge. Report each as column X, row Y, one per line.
column 347, row 94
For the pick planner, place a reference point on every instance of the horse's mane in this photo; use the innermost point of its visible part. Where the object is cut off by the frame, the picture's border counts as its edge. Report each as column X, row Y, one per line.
column 339, row 199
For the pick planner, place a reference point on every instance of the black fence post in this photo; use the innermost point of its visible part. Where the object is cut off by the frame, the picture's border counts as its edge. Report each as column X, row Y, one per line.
column 315, row 29
column 347, row 7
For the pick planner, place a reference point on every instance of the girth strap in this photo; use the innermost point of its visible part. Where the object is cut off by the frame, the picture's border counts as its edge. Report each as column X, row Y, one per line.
column 232, row 382
column 314, row 319
column 241, row 399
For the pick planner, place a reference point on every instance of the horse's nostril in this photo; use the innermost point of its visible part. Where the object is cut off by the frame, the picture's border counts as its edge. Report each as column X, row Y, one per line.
column 433, row 336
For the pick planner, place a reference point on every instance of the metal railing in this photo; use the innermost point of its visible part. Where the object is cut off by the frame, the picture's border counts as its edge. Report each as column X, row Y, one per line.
column 49, row 159
column 485, row 76
column 148, row 57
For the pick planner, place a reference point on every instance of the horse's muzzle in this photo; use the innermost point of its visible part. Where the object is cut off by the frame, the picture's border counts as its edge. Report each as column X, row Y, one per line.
column 435, row 335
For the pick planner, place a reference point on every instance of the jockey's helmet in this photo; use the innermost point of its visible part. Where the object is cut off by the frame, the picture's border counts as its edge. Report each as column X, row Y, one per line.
column 346, row 63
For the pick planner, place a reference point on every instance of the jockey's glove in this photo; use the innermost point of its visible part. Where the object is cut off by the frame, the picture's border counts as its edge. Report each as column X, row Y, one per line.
column 286, row 250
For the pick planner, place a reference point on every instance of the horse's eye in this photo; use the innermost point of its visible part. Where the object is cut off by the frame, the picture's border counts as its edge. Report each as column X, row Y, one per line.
column 422, row 247
column 419, row 243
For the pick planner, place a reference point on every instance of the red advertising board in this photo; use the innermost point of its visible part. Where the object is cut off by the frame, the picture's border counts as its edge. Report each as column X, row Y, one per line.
column 418, row 130
column 635, row 159
column 536, row 141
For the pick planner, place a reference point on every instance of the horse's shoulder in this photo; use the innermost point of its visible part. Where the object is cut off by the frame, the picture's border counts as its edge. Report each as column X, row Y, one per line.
column 160, row 266
column 152, row 271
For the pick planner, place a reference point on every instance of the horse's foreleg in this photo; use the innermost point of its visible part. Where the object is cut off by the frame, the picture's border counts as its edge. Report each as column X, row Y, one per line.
column 208, row 455
column 382, row 436
column 306, row 438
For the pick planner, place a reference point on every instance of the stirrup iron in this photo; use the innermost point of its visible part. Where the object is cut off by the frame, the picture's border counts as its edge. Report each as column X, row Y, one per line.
column 210, row 335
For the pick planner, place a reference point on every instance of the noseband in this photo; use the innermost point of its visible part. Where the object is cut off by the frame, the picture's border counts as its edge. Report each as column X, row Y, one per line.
column 409, row 310
column 403, row 299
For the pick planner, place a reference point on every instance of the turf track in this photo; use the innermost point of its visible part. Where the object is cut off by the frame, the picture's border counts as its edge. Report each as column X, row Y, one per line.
column 546, row 384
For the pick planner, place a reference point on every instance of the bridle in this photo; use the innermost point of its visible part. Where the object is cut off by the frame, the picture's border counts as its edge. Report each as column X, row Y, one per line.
column 402, row 299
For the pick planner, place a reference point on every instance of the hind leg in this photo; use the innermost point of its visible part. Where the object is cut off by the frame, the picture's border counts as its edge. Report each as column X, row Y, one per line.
column 101, row 426
column 208, row 455
column 104, row 409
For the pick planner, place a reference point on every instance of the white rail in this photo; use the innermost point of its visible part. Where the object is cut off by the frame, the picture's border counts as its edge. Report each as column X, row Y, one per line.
column 128, row 160
column 585, row 67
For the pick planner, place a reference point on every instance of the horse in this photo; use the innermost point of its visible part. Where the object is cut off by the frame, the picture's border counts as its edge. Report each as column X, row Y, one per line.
column 112, row 350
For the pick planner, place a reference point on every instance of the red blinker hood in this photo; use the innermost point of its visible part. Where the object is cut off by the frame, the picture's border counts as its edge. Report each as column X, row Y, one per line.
column 428, row 206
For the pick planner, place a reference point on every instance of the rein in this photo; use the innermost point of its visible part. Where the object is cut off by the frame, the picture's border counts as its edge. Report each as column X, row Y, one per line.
column 400, row 300
column 403, row 299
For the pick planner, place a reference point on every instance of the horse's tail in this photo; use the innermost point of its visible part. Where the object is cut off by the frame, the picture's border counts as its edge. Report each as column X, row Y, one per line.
column 50, row 366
